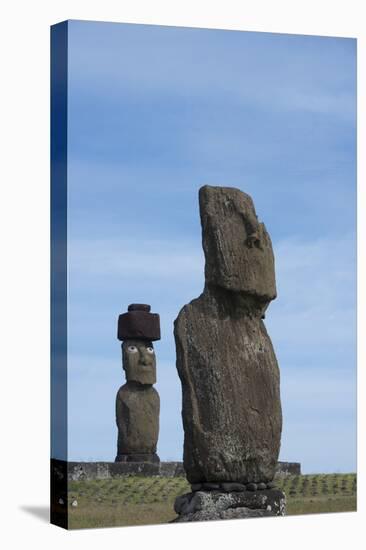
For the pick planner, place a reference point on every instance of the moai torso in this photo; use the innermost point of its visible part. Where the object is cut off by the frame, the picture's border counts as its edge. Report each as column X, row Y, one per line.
column 230, row 378
column 137, row 402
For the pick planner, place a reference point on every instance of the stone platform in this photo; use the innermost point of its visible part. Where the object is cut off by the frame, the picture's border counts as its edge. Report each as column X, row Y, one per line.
column 103, row 470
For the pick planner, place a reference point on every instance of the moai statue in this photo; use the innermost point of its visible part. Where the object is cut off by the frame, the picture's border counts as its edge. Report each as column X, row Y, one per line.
column 137, row 402
column 229, row 373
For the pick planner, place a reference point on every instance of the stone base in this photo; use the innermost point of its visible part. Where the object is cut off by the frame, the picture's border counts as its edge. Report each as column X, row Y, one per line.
column 151, row 457
column 215, row 504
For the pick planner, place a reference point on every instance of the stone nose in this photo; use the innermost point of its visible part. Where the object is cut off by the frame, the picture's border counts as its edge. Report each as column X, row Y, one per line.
column 145, row 358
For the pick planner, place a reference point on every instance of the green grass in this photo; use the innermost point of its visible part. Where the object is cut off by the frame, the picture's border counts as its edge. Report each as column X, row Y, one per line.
column 137, row 500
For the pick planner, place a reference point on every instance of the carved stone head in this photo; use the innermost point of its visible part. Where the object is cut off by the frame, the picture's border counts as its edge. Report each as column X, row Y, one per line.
column 138, row 360
column 238, row 249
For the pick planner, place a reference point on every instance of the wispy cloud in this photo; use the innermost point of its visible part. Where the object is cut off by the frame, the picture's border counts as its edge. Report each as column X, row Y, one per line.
column 127, row 260
column 271, row 71
column 321, row 271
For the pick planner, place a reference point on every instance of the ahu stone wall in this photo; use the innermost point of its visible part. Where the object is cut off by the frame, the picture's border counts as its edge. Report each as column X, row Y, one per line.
column 104, row 470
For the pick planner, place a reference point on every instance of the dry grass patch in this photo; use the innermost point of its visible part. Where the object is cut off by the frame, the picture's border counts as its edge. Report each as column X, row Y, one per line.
column 138, row 500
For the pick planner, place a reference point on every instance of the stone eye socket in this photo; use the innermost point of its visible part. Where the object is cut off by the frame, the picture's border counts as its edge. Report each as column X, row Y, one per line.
column 150, row 349
column 132, row 349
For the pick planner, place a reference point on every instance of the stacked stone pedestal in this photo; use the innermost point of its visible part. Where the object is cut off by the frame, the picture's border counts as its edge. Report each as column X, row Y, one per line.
column 214, row 504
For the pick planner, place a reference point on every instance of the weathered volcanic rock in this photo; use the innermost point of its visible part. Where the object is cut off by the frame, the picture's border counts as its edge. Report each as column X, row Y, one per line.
column 230, row 378
column 137, row 416
column 137, row 402
column 238, row 249
column 204, row 506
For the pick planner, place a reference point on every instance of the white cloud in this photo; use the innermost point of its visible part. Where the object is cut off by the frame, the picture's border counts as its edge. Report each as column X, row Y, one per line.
column 165, row 260
column 318, row 392
column 315, row 311
column 270, row 71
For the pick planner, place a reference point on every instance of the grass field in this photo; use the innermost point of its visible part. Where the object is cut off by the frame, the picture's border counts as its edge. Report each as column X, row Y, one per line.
column 137, row 500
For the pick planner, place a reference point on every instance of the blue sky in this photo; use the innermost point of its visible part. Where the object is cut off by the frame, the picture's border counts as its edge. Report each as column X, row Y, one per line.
column 154, row 114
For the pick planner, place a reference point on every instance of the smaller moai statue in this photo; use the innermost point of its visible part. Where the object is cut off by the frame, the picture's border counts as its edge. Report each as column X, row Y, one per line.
column 138, row 402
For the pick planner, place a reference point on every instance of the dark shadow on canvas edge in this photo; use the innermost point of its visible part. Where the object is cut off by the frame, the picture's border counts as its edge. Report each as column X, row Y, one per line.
column 40, row 512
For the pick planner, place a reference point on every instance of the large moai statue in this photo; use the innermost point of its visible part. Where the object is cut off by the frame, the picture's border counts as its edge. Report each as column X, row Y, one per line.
column 137, row 402
column 228, row 369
